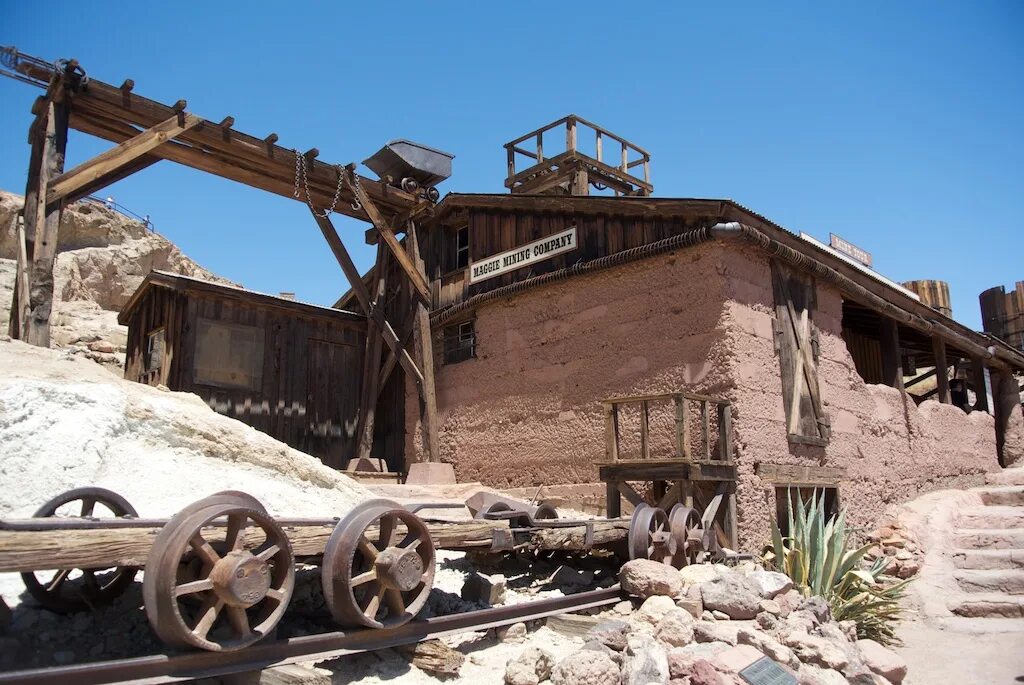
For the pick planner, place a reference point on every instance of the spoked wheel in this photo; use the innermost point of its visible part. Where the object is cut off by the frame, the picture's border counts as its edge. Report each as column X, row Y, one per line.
column 499, row 507
column 218, row 592
column 545, row 512
column 649, row 535
column 378, row 567
column 687, row 534
column 71, row 590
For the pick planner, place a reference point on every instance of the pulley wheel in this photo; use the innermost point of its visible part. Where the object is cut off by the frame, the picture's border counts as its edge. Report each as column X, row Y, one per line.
column 688, row 535
column 71, row 590
column 649, row 535
column 236, row 592
column 378, row 567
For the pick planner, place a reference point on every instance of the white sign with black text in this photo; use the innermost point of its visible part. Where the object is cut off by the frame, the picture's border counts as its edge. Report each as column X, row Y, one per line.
column 502, row 263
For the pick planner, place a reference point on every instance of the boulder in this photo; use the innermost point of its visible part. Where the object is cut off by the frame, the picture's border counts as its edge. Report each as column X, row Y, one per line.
column 815, row 650
column 766, row 621
column 480, row 587
column 788, row 602
column 818, row 607
column 715, row 632
column 812, row 675
column 770, row 583
column 529, row 668
column 654, row 609
column 771, row 606
column 586, row 668
column 695, row 574
column 595, row 646
column 699, row 671
column 645, row 578
column 676, row 629
column 513, row 633
column 768, row 646
column 734, row 595
column 611, row 633
column 883, row 661
column 646, row 666
column 735, row 659
column 691, row 601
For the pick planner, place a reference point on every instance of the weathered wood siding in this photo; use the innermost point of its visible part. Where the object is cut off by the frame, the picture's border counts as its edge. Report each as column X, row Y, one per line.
column 493, row 231
column 309, row 385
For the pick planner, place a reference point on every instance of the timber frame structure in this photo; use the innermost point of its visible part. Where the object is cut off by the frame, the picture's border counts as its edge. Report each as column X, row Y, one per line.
column 146, row 132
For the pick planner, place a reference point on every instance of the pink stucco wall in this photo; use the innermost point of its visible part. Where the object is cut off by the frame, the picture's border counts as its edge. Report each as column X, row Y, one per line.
column 527, row 410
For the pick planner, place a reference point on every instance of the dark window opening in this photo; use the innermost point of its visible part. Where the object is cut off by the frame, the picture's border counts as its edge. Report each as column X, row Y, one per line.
column 155, row 350
column 459, row 342
column 462, row 248
column 786, row 498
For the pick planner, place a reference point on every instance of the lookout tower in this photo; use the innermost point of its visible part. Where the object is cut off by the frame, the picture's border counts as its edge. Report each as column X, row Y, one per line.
column 609, row 162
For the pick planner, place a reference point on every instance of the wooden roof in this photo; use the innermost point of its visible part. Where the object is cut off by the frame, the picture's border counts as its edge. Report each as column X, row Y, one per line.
column 190, row 285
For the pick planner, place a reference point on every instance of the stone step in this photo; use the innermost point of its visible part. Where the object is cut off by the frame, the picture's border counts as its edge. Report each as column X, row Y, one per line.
column 991, row 517
column 985, row 559
column 1009, row 581
column 1008, row 495
column 1011, row 476
column 983, row 605
column 990, row 538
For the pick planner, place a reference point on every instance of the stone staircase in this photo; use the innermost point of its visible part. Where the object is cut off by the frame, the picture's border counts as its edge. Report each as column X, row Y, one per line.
column 988, row 553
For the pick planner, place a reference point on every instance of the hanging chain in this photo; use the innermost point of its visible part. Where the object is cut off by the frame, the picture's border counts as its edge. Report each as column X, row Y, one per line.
column 300, row 172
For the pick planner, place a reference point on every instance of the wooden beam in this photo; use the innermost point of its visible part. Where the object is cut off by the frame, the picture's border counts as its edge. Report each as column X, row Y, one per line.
column 941, row 370
column 117, row 157
column 917, row 379
column 978, row 381
column 789, row 474
column 19, row 304
column 631, row 495
column 363, row 295
column 137, row 165
column 371, row 364
column 425, row 350
column 892, row 362
column 416, row 277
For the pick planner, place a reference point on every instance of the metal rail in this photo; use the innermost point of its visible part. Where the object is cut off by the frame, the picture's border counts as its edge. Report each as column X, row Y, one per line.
column 167, row 668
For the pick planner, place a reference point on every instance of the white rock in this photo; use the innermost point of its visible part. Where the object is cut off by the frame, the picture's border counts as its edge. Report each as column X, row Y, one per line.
column 586, row 668
column 654, row 609
column 770, row 583
column 701, row 573
column 883, row 661
column 646, row 578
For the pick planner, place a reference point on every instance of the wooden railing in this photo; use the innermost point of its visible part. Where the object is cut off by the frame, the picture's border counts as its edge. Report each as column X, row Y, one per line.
column 683, row 402
column 574, row 126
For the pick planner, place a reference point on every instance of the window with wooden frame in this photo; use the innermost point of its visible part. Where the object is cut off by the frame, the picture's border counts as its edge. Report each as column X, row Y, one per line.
column 796, row 341
column 459, row 342
column 155, row 350
column 228, row 355
column 462, row 248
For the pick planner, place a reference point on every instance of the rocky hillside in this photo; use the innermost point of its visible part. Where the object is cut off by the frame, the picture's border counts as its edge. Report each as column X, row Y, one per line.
column 102, row 257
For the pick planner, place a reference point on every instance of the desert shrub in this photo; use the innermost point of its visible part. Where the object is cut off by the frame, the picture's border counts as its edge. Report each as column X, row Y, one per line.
column 817, row 557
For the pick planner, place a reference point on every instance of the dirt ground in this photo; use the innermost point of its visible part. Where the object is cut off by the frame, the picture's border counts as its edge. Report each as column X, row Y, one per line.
column 941, row 656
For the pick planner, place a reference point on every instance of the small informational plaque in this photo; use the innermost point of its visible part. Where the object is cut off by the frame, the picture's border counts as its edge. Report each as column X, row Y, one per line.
column 764, row 671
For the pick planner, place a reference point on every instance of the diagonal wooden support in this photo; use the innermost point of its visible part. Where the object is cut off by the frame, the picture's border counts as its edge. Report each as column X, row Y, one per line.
column 363, row 296
column 119, row 156
column 419, row 281
column 392, row 360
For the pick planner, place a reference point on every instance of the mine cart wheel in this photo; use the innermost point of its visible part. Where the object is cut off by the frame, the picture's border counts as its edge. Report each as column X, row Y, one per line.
column 234, row 595
column 378, row 567
column 64, row 594
column 545, row 512
column 688, row 534
column 649, row 535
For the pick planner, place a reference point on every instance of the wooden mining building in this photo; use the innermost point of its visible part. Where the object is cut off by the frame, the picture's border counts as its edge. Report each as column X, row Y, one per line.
column 576, row 333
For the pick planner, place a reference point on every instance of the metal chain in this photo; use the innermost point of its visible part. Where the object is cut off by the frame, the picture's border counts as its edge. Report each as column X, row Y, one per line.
column 300, row 172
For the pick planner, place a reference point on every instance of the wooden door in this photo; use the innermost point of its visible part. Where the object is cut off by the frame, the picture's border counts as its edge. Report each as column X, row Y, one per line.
column 332, row 402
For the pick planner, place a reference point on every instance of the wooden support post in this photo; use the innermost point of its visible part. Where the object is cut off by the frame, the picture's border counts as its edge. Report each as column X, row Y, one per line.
column 978, row 381
column 732, row 520
column 941, row 370
column 705, row 428
column 371, row 363
column 363, row 295
column 107, row 163
column 892, row 363
column 613, row 500
column 645, row 443
column 19, row 306
column 47, row 222
column 581, row 183
column 425, row 349
column 725, row 432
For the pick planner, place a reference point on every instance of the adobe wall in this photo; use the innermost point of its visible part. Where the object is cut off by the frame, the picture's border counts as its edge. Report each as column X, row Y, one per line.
column 527, row 410
column 891, row 449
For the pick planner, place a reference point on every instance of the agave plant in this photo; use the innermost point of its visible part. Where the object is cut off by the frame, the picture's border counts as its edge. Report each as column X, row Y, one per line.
column 816, row 557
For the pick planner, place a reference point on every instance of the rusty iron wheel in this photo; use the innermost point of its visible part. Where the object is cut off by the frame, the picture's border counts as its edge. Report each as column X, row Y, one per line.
column 521, row 520
column 378, row 566
column 649, row 535
column 688, row 533
column 545, row 512
column 239, row 589
column 65, row 592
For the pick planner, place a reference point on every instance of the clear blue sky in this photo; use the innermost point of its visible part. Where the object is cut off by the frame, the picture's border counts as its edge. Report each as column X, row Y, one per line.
column 899, row 126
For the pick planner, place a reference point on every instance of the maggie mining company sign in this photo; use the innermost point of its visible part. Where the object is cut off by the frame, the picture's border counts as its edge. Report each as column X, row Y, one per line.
column 517, row 258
